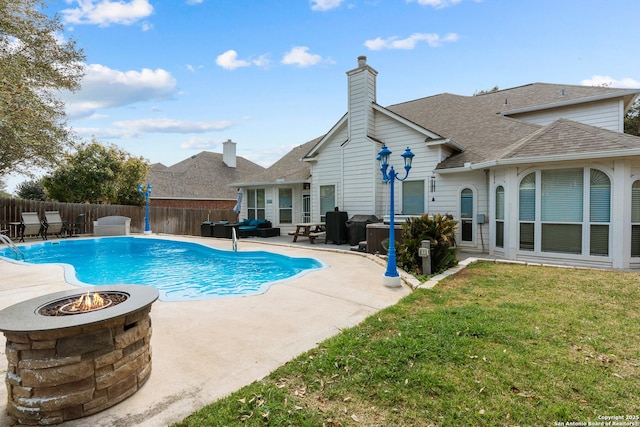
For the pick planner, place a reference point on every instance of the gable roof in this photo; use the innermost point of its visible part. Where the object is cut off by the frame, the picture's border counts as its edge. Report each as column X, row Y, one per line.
column 481, row 132
column 202, row 176
column 480, row 129
column 289, row 169
column 566, row 139
column 481, row 124
column 540, row 96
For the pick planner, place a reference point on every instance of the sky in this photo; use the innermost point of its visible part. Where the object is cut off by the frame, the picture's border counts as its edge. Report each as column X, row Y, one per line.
column 168, row 79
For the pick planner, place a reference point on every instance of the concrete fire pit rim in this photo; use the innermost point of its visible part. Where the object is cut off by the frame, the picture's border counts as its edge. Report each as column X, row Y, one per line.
column 22, row 317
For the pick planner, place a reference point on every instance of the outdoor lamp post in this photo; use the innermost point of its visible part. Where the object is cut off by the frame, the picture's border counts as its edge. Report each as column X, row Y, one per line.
column 146, row 194
column 391, row 277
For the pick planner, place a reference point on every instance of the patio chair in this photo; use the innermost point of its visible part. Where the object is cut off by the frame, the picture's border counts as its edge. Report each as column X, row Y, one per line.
column 53, row 224
column 31, row 226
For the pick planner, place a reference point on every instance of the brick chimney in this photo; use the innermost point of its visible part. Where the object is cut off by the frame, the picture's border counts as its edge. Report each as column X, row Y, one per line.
column 229, row 153
column 362, row 93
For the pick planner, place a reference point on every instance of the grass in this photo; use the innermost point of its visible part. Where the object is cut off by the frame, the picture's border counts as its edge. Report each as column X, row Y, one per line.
column 495, row 345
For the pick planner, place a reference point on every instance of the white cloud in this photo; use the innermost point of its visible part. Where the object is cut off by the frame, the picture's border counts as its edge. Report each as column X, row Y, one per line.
column 262, row 61
column 433, row 40
column 229, row 60
column 438, row 4
column 323, row 5
column 135, row 128
column 103, row 87
column 166, row 125
column 300, row 57
column 200, row 143
column 194, row 68
column 106, row 12
column 626, row 82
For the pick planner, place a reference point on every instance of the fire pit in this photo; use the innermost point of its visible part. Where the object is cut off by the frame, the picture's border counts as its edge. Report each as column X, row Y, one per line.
column 72, row 354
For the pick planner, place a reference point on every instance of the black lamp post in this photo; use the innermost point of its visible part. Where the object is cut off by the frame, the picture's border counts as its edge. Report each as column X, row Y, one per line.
column 391, row 277
column 146, row 194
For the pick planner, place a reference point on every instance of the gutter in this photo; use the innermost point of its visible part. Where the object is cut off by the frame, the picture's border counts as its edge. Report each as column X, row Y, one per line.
column 276, row 182
column 540, row 159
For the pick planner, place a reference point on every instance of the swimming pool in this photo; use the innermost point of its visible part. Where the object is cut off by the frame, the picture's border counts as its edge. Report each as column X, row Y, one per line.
column 180, row 271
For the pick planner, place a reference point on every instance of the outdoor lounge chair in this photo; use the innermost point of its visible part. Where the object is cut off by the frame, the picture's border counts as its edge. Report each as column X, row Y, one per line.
column 53, row 224
column 32, row 226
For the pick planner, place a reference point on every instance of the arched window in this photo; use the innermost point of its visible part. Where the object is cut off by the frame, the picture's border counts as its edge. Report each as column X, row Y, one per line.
column 527, row 211
column 635, row 219
column 466, row 214
column 599, row 212
column 500, row 217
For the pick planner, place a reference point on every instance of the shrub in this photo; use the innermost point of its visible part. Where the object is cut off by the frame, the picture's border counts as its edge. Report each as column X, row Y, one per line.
column 440, row 230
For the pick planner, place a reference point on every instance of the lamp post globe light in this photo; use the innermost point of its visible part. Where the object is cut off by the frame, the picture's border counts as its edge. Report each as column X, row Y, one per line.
column 146, row 194
column 391, row 277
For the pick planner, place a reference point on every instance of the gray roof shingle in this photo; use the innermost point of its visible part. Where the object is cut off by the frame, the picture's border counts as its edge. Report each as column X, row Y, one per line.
column 481, row 124
column 202, row 176
column 288, row 169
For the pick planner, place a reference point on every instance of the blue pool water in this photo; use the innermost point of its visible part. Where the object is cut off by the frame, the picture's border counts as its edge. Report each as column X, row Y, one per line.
column 179, row 270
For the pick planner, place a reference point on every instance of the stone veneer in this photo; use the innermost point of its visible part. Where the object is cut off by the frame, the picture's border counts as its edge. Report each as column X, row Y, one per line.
column 62, row 374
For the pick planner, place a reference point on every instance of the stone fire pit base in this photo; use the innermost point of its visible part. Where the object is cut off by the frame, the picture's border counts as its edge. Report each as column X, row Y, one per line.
column 66, row 373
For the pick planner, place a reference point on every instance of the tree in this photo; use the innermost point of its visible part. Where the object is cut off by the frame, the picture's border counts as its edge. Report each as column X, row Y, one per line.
column 31, row 190
column 632, row 119
column 493, row 89
column 3, row 190
column 35, row 64
column 98, row 174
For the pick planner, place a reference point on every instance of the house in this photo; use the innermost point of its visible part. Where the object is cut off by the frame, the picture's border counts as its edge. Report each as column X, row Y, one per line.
column 281, row 193
column 540, row 172
column 201, row 181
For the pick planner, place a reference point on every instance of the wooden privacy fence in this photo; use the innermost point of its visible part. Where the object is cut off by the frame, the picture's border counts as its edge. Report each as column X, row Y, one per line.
column 177, row 221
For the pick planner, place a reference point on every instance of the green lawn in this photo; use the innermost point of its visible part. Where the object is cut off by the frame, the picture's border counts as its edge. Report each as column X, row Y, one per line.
column 495, row 345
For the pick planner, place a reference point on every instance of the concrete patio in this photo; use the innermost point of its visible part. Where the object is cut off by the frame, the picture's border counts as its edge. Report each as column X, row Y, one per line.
column 204, row 350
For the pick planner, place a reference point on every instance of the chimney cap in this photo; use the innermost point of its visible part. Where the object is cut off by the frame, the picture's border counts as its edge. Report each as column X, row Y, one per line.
column 362, row 61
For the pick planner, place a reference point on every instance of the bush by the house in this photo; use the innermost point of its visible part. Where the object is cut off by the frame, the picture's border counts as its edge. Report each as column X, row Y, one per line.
column 440, row 230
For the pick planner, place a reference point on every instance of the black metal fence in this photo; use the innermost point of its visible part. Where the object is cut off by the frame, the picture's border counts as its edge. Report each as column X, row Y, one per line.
column 163, row 220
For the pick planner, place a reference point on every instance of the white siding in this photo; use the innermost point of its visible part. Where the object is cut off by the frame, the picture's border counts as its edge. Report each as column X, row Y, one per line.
column 398, row 137
column 327, row 170
column 605, row 114
column 447, row 201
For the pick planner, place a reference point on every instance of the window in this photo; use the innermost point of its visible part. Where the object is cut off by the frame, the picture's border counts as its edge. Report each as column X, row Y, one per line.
column 285, row 205
column 466, row 214
column 561, row 208
column 255, row 204
column 306, row 208
column 599, row 212
column 500, row 216
column 327, row 200
column 413, row 197
column 527, row 212
column 575, row 211
column 635, row 219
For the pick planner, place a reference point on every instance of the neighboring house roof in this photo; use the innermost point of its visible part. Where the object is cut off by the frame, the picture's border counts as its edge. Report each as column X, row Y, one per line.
column 202, row 176
column 289, row 169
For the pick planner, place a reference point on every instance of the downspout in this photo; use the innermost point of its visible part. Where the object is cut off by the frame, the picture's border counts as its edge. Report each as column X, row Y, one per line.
column 488, row 189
